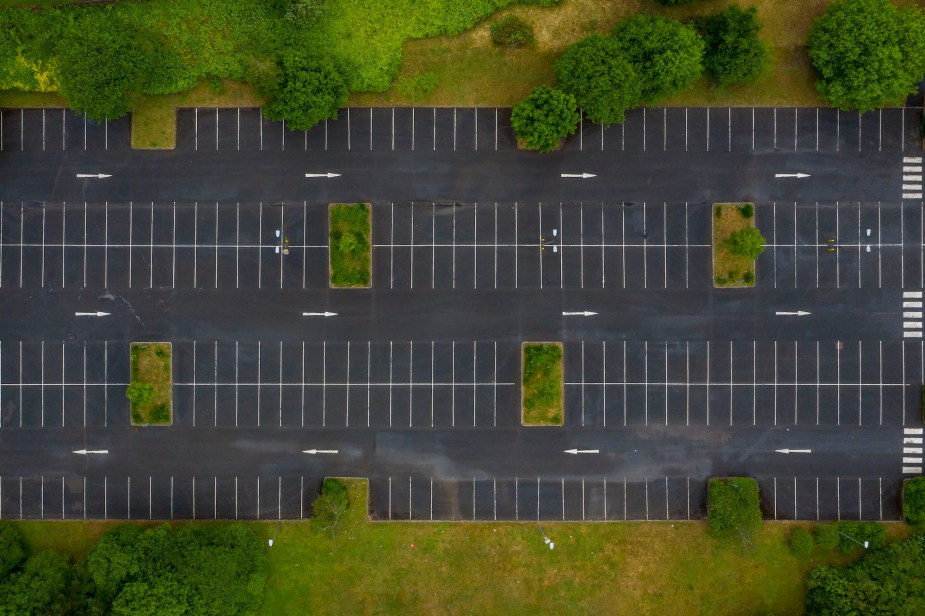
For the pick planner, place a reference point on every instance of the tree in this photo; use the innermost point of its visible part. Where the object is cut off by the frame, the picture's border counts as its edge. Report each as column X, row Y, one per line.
column 913, row 501
column 734, row 52
column 600, row 77
column 304, row 12
column 885, row 581
column 867, row 53
column 11, row 552
column 329, row 508
column 747, row 242
column 310, row 91
column 140, row 393
column 667, row 55
column 43, row 586
column 545, row 118
column 100, row 68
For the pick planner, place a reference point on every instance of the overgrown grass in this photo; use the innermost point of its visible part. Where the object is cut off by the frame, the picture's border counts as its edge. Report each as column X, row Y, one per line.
column 350, row 249
column 731, row 270
column 151, row 364
column 541, row 393
column 734, row 508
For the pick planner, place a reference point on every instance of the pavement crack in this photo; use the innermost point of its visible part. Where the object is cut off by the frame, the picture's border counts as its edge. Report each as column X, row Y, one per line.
column 109, row 296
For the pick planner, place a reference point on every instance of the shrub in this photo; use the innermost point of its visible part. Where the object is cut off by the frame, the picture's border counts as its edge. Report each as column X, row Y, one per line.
column 600, row 77
column 140, row 393
column 826, row 536
column 734, row 510
column 666, row 55
column 748, row 277
column 305, row 12
column 11, row 550
column 512, row 31
column 310, row 91
column 545, row 118
column 849, row 536
column 673, row 2
column 418, row 85
column 747, row 242
column 330, row 506
column 747, row 210
column 800, row 542
column 914, row 500
column 734, row 52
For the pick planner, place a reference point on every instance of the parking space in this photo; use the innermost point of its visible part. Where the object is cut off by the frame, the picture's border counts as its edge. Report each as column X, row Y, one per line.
column 346, row 384
column 830, row 498
column 734, row 383
column 48, row 130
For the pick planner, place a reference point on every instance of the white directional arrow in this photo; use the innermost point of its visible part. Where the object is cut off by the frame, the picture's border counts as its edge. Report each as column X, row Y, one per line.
column 319, row 314
column 583, row 176
column 94, row 175
column 91, row 314
column 793, row 450
column 85, row 452
column 586, row 313
column 317, row 451
column 798, row 313
column 791, row 175
column 322, row 175
column 575, row 452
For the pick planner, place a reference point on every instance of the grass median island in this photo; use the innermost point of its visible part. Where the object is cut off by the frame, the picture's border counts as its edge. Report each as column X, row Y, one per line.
column 350, row 249
column 151, row 388
column 736, row 244
column 542, row 400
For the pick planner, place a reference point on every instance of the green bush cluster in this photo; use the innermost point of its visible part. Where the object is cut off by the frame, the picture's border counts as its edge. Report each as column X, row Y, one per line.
column 800, row 542
column 746, row 209
column 734, row 510
column 350, row 245
column 512, row 31
column 914, row 501
column 747, row 242
column 848, row 536
column 330, row 506
column 545, row 118
column 734, row 51
column 416, row 87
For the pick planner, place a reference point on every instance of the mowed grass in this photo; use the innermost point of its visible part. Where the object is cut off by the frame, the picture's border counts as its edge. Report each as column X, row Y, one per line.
column 730, row 270
column 350, row 249
column 542, row 384
column 662, row 568
column 151, row 363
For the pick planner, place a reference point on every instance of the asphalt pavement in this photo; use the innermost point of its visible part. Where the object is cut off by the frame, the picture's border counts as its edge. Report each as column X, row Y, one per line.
column 809, row 382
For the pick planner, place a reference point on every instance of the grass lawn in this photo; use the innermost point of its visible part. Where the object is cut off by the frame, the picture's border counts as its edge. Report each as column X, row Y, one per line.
column 350, row 249
column 609, row 568
column 730, row 270
column 541, row 388
column 151, row 364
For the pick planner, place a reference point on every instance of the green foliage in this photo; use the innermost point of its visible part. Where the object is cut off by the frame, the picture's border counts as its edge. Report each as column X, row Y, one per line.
column 734, row 510
column 330, row 506
column 11, row 551
column 673, row 2
column 512, row 31
column 600, row 77
column 886, row 581
column 140, row 393
column 418, row 85
column 849, row 536
column 734, row 52
column 305, row 12
column 867, row 53
column 310, row 91
column 826, row 536
column 542, row 384
column 748, row 278
column 545, row 118
column 209, row 570
column 747, row 210
column 44, row 585
column 800, row 542
column 914, row 500
column 667, row 55
column 350, row 245
column 747, row 242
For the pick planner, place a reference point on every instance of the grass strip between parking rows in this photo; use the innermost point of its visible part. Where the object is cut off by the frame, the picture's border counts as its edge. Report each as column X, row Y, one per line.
column 729, row 269
column 151, row 388
column 542, row 384
column 350, row 249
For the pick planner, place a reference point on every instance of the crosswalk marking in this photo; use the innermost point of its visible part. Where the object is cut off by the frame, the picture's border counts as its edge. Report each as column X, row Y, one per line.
column 912, row 324
column 916, row 470
column 912, row 186
column 912, row 195
column 912, row 315
column 912, row 304
column 917, row 450
column 914, row 431
column 912, row 334
column 912, row 170
column 911, row 440
column 912, row 159
column 912, row 294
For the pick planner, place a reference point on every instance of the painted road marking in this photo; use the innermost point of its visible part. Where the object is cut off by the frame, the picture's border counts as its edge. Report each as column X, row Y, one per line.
column 912, row 334
column 913, row 430
column 912, row 304
column 912, row 440
column 912, row 325
column 914, row 470
column 912, row 294
column 917, row 450
column 912, row 315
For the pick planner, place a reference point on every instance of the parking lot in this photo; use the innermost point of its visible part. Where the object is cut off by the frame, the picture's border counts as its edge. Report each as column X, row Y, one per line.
column 419, row 497
column 456, row 246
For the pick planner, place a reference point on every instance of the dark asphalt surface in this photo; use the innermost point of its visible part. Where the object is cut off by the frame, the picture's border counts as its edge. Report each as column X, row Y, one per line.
column 415, row 382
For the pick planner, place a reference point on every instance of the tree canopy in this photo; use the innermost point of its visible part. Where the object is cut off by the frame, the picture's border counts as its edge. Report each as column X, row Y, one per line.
column 890, row 580
column 867, row 53
column 310, row 91
column 747, row 242
column 667, row 55
column 11, row 552
column 596, row 71
column 734, row 51
column 545, row 118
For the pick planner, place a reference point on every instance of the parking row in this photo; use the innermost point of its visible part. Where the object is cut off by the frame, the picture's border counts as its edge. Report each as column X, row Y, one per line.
column 472, row 384
column 537, row 499
column 690, row 129
column 457, row 246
